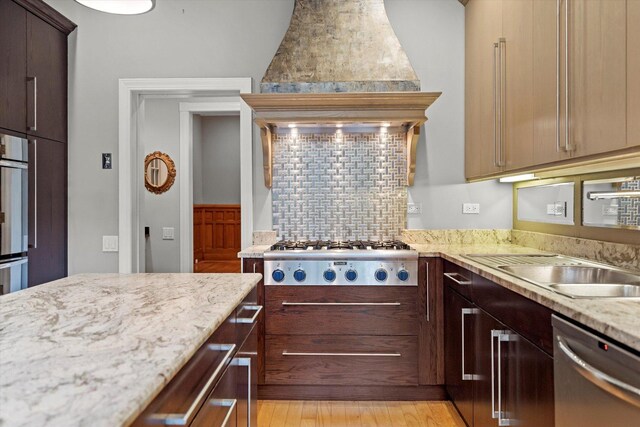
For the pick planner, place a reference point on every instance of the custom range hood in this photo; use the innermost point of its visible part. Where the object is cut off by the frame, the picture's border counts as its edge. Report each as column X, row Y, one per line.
column 340, row 65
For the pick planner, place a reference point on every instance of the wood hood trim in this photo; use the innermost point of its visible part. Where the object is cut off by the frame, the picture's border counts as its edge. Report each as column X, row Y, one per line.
column 405, row 108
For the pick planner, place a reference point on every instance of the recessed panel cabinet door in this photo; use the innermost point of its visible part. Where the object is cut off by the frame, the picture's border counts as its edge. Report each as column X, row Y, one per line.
column 47, row 80
column 13, row 66
column 483, row 28
column 633, row 73
column 597, row 69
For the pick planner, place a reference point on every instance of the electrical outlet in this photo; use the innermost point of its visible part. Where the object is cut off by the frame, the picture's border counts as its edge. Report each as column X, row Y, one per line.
column 471, row 208
column 168, row 233
column 611, row 210
column 414, row 208
column 109, row 243
column 551, row 209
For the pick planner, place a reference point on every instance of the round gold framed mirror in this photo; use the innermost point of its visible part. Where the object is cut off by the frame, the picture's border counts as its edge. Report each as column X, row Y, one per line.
column 159, row 172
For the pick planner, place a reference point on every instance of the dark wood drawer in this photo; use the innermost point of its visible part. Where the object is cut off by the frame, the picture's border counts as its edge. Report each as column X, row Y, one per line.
column 341, row 310
column 341, row 360
column 458, row 279
column 247, row 315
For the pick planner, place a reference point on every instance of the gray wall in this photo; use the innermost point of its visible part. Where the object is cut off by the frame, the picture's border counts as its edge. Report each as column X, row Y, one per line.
column 238, row 38
column 220, row 160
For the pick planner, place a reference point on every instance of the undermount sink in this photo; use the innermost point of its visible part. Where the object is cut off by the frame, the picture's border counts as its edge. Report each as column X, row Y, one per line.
column 592, row 290
column 571, row 274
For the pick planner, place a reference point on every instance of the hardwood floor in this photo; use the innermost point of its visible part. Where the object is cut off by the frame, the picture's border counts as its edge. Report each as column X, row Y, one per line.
column 232, row 266
column 285, row 413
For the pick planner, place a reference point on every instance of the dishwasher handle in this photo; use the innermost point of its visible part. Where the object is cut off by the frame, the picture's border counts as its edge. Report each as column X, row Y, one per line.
column 606, row 382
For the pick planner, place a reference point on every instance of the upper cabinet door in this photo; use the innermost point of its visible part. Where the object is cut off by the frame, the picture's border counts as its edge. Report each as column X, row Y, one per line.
column 483, row 29
column 46, row 80
column 633, row 73
column 596, row 94
column 517, row 56
column 13, row 66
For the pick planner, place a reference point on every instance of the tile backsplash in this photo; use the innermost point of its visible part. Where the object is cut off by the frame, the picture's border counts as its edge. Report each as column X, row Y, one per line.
column 339, row 186
column 629, row 209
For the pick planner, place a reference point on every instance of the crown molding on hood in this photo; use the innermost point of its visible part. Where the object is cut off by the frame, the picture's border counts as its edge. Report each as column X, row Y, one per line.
column 352, row 109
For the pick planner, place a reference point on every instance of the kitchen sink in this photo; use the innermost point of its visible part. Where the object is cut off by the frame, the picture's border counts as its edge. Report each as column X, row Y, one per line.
column 568, row 276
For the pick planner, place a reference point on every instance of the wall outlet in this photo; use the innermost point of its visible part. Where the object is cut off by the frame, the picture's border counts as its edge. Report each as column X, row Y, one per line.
column 109, row 243
column 551, row 209
column 471, row 208
column 168, row 233
column 414, row 208
column 611, row 210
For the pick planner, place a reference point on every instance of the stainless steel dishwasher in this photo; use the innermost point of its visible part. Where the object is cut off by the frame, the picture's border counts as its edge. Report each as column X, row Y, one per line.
column 596, row 382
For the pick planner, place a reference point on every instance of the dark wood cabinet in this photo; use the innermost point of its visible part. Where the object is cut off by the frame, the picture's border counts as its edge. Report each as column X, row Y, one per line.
column 430, row 322
column 13, row 66
column 48, row 210
column 46, row 80
column 256, row 265
column 497, row 365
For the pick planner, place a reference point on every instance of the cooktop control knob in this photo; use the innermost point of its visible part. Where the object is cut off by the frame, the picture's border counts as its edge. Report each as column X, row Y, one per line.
column 381, row 275
column 299, row 275
column 403, row 275
column 329, row 275
column 278, row 275
column 351, row 275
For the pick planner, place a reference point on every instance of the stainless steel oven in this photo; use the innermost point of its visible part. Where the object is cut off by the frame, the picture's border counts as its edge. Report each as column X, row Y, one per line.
column 597, row 383
column 14, row 212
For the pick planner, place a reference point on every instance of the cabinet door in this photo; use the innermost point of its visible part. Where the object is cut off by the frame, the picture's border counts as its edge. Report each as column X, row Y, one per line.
column 483, row 28
column 47, row 74
column 221, row 407
column 256, row 265
column 528, row 383
column 459, row 351
column 48, row 211
column 486, row 364
column 430, row 316
column 13, row 66
column 633, row 73
column 597, row 69
column 517, row 53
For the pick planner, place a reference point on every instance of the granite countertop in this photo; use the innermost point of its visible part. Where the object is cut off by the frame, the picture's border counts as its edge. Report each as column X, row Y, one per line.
column 615, row 318
column 256, row 251
column 95, row 349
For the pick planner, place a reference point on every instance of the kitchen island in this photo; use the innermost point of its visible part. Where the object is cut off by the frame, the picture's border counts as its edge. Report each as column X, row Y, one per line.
column 95, row 349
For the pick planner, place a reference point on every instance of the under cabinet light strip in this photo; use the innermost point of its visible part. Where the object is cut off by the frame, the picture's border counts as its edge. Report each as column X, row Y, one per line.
column 623, row 194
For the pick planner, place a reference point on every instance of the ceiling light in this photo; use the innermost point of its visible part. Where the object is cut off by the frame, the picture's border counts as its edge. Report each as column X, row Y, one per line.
column 518, row 178
column 120, row 7
column 385, row 125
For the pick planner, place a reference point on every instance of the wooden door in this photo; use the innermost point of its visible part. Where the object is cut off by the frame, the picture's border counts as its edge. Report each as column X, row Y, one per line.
column 218, row 232
column 13, row 66
column 517, row 111
column 483, row 28
column 459, row 384
column 633, row 73
column 485, row 386
column 546, row 59
column 528, row 381
column 597, row 69
column 48, row 212
column 47, row 73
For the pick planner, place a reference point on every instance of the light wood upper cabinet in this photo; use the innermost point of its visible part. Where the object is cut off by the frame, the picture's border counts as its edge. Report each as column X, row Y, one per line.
column 597, row 69
column 633, row 73
column 483, row 28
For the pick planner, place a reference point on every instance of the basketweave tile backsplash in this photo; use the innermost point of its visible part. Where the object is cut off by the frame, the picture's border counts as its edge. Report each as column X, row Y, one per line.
column 339, row 186
column 629, row 209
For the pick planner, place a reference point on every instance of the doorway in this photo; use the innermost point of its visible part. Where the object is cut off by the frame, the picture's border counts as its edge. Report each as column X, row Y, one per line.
column 216, row 193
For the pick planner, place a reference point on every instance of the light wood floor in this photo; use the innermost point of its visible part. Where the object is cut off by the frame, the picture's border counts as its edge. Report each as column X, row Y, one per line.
column 232, row 266
column 285, row 413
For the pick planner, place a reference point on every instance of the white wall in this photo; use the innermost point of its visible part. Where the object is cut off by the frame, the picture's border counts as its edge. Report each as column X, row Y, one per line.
column 220, row 158
column 238, row 38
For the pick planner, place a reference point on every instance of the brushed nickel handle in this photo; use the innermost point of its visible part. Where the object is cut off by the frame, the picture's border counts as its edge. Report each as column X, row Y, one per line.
column 229, row 403
column 341, row 304
column 567, row 133
column 466, row 377
column 35, row 194
column 286, row 353
column 502, row 43
column 494, row 413
column 500, row 336
column 246, row 362
column 34, row 79
column 187, row 417
column 558, row 14
column 428, row 309
column 452, row 276
column 252, row 319
column 495, row 104
column 604, row 381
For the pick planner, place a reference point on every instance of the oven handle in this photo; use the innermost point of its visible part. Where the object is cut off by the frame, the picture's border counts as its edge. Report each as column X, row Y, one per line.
column 13, row 164
column 606, row 382
column 13, row 263
column 340, row 304
column 286, row 353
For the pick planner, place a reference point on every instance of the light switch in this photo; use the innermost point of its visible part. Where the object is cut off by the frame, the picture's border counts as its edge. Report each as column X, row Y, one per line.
column 471, row 208
column 168, row 233
column 109, row 243
column 414, row 208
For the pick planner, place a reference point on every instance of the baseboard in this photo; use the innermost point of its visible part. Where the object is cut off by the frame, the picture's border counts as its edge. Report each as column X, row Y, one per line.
column 316, row 392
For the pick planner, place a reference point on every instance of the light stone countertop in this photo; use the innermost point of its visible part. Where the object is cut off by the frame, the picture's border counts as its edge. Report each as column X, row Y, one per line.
column 615, row 318
column 95, row 349
column 256, row 251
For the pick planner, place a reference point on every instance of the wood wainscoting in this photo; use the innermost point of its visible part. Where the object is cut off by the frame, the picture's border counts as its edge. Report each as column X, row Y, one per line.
column 216, row 232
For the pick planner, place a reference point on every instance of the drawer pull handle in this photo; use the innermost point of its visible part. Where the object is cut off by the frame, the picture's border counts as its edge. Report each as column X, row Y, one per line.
column 286, row 353
column 252, row 319
column 187, row 417
column 229, row 403
column 453, row 276
column 346, row 304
